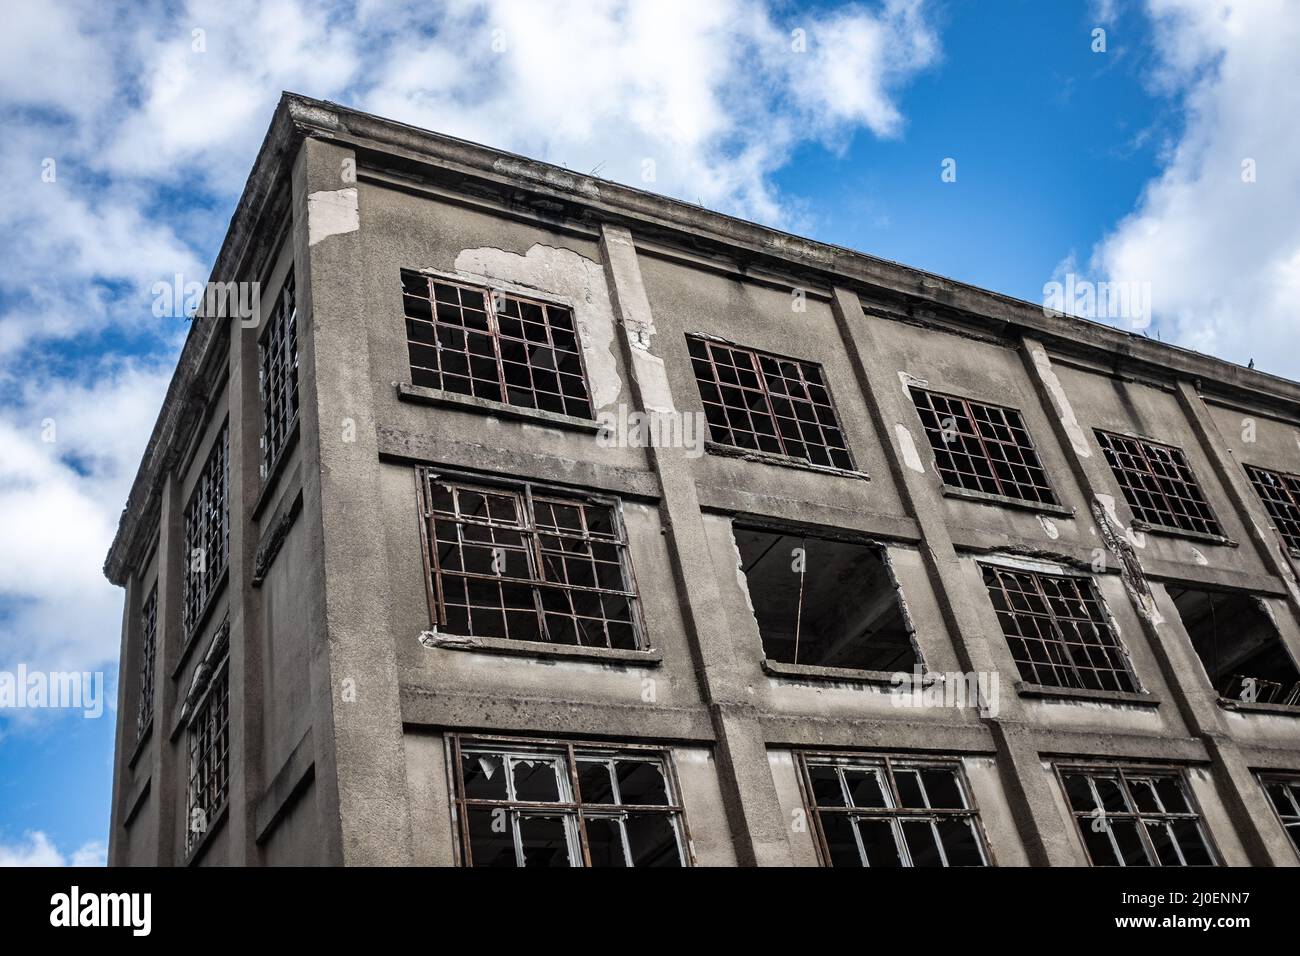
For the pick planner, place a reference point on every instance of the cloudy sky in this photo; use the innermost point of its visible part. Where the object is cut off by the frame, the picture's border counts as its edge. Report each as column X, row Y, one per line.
column 1166, row 154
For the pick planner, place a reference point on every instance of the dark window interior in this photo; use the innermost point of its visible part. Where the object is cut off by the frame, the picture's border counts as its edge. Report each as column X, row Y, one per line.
column 833, row 604
column 1240, row 647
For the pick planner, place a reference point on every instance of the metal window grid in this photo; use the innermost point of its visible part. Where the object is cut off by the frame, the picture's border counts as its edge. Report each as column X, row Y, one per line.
column 207, row 532
column 982, row 447
column 148, row 650
column 576, row 811
column 1158, row 484
column 493, row 345
column 278, row 377
column 1280, row 493
column 768, row 403
column 1058, row 630
column 523, row 563
column 209, row 752
column 1283, row 790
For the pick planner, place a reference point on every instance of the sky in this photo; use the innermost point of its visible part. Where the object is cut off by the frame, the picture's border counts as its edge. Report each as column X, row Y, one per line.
column 1006, row 143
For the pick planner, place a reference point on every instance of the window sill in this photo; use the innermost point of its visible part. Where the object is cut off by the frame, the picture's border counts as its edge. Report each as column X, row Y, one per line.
column 196, row 852
column 502, row 645
column 420, row 395
column 201, row 622
column 272, row 480
column 846, row 674
column 1163, row 532
column 1026, row 689
column 952, row 491
column 1255, row 707
column 783, row 461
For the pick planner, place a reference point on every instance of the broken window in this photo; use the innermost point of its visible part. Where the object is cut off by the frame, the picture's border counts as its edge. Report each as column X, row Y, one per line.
column 982, row 448
column 1136, row 817
column 148, row 649
column 208, row 707
column 1239, row 645
column 767, row 403
column 499, row 347
column 1058, row 630
column 824, row 603
column 1280, row 493
column 521, row 803
column 1284, row 792
column 207, row 532
column 518, row 561
column 891, row 811
column 1158, row 484
column 278, row 377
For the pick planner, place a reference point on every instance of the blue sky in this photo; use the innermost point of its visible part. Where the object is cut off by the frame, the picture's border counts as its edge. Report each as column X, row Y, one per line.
column 829, row 120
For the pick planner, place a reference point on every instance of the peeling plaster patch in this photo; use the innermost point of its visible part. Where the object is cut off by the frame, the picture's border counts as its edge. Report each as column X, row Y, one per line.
column 1135, row 538
column 908, row 447
column 542, row 173
column 570, row 276
column 1048, row 527
column 1063, row 408
column 332, row 213
column 910, row 382
column 1122, row 546
column 741, row 581
column 1018, row 562
column 1199, row 558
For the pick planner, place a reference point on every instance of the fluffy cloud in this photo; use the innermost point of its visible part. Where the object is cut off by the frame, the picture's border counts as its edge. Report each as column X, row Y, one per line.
column 1222, row 253
column 37, row 850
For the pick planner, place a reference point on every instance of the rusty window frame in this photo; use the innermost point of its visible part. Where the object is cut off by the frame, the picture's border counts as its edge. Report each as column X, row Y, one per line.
column 148, row 652
column 547, row 570
column 1289, row 816
column 1039, row 612
column 277, row 377
column 574, row 810
column 1158, row 484
column 887, row 766
column 1280, row 493
column 206, row 525
column 471, row 340
column 990, row 450
column 1127, row 775
column 208, row 746
column 768, row 403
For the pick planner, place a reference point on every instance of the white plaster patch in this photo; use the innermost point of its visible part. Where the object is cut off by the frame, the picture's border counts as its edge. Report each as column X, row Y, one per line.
column 1078, row 440
column 908, row 448
column 564, row 274
column 1019, row 562
column 332, row 213
column 1135, row 538
column 1199, row 558
column 1049, row 528
column 910, row 382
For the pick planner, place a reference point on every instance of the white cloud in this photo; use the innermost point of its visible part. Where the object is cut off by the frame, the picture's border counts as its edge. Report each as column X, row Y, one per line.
column 1223, row 255
column 37, row 850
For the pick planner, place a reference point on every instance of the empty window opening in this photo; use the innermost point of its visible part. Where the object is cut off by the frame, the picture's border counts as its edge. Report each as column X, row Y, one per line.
column 1158, row 484
column 984, row 448
column 1280, row 493
column 494, row 346
column 566, row 805
column 767, row 403
column 825, row 603
column 1058, row 630
column 1239, row 645
column 1136, row 817
column 892, row 812
column 520, row 562
column 1284, row 792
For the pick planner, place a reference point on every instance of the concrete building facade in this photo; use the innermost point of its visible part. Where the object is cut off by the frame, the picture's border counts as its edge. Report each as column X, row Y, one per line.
column 538, row 519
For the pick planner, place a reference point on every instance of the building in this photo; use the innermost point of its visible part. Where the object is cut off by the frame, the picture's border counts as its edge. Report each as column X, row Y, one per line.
column 538, row 518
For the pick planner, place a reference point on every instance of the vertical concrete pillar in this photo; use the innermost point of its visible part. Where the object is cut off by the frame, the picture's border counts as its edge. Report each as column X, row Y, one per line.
column 357, row 721
column 127, row 690
column 1028, row 786
column 753, row 808
column 169, row 758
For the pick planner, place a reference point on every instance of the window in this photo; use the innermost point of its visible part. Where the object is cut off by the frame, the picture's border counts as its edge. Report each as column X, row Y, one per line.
column 207, row 532
column 523, row 563
column 1158, row 484
column 891, row 811
column 499, row 347
column 1136, row 817
column 148, row 649
column 824, row 603
column 1284, row 792
column 767, row 403
column 1239, row 645
column 1057, row 630
column 278, row 377
column 522, row 803
column 208, row 710
column 1280, row 493
column 982, row 448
